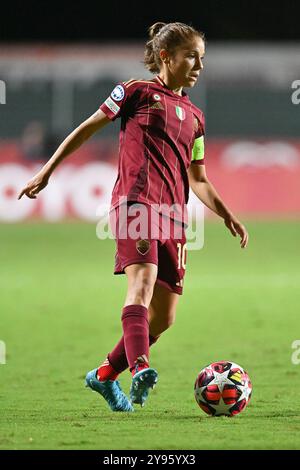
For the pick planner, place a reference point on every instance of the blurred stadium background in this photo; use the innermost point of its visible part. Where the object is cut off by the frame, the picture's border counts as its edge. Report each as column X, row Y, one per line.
column 252, row 126
column 57, row 290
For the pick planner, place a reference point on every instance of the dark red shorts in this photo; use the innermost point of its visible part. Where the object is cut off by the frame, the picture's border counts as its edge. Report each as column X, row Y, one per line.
column 160, row 241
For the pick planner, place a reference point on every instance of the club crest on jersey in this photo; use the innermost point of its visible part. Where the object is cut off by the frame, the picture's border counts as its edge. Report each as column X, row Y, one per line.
column 118, row 93
column 180, row 113
column 143, row 246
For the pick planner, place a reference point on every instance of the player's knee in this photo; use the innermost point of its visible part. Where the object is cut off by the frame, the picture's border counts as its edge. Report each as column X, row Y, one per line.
column 144, row 287
column 141, row 290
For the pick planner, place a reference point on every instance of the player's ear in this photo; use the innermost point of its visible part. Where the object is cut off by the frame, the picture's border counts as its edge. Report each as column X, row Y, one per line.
column 164, row 56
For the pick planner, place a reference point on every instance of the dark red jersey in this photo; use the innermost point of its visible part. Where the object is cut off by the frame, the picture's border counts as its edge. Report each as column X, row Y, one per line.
column 161, row 135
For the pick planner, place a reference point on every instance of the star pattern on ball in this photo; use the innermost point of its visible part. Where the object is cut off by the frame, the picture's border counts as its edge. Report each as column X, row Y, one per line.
column 246, row 391
column 222, row 408
column 223, row 388
column 220, row 379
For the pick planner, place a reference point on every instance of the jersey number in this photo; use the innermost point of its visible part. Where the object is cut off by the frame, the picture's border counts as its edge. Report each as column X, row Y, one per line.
column 181, row 255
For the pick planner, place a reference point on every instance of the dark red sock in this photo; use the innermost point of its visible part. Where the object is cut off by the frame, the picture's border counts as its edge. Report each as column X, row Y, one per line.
column 136, row 334
column 117, row 357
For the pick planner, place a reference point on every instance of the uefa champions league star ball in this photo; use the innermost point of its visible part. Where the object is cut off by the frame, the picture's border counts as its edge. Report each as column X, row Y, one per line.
column 223, row 389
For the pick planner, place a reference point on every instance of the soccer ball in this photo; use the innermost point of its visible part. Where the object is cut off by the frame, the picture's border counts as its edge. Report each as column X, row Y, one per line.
column 223, row 388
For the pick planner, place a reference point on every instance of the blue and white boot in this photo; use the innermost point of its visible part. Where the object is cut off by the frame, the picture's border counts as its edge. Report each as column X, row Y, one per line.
column 142, row 381
column 110, row 390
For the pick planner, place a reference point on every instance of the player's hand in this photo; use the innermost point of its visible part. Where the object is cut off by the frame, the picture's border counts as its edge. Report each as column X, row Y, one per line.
column 35, row 185
column 235, row 227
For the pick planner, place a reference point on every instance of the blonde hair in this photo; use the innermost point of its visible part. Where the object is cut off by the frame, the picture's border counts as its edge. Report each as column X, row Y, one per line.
column 166, row 36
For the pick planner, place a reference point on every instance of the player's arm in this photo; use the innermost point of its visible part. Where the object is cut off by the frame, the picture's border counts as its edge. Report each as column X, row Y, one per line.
column 71, row 143
column 205, row 191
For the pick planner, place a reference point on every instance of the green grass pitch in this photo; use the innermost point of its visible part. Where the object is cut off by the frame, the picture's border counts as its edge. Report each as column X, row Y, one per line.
column 60, row 314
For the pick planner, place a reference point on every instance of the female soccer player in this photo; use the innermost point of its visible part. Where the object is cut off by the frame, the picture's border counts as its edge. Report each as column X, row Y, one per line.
column 161, row 157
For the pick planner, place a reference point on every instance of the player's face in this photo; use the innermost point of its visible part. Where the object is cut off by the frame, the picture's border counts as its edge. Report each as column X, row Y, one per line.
column 185, row 63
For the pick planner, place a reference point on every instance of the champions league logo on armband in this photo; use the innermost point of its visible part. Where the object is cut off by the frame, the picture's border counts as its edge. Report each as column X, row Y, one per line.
column 118, row 93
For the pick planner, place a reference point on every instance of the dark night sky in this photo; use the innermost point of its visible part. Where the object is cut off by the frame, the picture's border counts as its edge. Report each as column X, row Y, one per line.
column 110, row 20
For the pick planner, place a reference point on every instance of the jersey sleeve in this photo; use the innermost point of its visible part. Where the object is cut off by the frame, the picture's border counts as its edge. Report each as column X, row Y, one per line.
column 198, row 147
column 117, row 103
